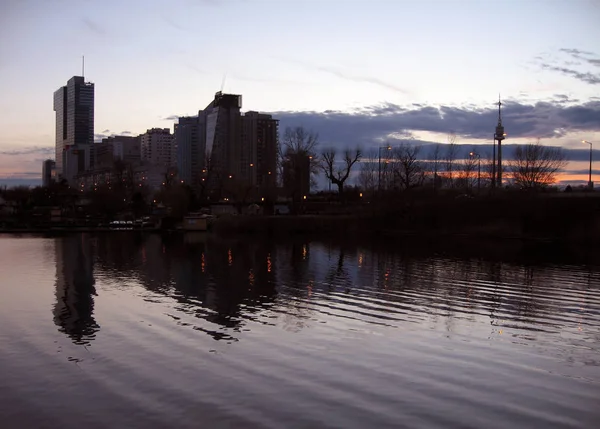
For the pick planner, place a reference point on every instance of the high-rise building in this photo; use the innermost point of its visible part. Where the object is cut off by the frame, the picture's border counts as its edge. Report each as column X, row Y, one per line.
column 158, row 148
column 258, row 162
column 235, row 153
column 48, row 172
column 190, row 139
column 223, row 138
column 74, row 107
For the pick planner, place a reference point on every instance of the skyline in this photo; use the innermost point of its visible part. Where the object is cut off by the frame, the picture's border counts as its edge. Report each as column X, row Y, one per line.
column 316, row 70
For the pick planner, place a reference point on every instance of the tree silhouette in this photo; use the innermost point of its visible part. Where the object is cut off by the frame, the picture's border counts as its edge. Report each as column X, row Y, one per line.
column 536, row 166
column 338, row 176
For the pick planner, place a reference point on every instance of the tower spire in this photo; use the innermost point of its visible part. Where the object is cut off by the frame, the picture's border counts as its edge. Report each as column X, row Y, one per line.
column 499, row 135
column 499, row 110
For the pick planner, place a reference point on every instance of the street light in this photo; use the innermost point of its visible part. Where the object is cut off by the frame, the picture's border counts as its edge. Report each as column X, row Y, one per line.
column 590, row 185
column 388, row 147
column 472, row 154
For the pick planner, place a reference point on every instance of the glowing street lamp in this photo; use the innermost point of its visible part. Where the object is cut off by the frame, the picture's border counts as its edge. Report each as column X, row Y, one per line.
column 472, row 154
column 590, row 184
column 388, row 147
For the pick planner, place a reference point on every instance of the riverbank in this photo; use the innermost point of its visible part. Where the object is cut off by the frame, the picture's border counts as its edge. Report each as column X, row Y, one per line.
column 522, row 217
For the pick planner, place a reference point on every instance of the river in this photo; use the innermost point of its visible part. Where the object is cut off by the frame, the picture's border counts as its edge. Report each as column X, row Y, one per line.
column 130, row 331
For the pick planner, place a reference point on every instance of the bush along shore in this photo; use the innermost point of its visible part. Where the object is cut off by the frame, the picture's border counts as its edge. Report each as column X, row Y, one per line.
column 525, row 217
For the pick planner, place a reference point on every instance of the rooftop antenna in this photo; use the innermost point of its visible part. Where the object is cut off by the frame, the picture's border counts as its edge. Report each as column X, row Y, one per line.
column 499, row 110
column 223, row 81
column 83, row 65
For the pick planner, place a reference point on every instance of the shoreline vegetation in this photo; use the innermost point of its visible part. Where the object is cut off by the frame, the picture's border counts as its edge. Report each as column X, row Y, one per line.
column 530, row 217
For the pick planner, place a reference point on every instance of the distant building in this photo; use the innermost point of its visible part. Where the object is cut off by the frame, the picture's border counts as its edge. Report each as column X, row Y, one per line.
column 76, row 161
column 48, row 172
column 125, row 148
column 190, row 139
column 296, row 176
column 158, row 148
column 258, row 163
column 74, row 107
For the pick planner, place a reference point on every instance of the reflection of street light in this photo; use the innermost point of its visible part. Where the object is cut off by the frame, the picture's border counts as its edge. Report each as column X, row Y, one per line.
column 590, row 185
column 472, row 154
column 304, row 197
column 262, row 198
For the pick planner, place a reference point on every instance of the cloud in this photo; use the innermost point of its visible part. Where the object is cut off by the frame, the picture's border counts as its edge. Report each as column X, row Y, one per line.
column 93, row 26
column 10, row 182
column 372, row 124
column 583, row 55
column 582, row 172
column 565, row 66
column 361, row 79
column 172, row 117
column 39, row 150
column 592, row 79
column 348, row 76
column 125, row 133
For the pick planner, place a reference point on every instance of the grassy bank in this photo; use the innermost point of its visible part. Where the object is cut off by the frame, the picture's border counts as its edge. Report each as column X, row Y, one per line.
column 516, row 216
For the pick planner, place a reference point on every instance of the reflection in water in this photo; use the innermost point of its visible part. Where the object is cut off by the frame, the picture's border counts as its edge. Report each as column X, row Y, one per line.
column 74, row 307
column 255, row 333
column 224, row 284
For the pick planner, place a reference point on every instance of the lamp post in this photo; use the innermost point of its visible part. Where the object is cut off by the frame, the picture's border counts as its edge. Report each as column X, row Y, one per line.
column 472, row 154
column 590, row 185
column 388, row 147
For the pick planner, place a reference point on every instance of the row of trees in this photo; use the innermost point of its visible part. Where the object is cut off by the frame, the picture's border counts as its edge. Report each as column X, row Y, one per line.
column 405, row 166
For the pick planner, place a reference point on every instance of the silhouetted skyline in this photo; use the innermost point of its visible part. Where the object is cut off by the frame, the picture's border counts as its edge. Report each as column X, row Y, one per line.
column 365, row 72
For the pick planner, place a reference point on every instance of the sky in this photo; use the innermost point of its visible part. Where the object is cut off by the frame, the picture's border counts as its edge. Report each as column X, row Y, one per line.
column 358, row 72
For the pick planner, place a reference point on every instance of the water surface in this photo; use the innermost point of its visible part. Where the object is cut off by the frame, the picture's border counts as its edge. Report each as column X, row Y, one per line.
column 123, row 330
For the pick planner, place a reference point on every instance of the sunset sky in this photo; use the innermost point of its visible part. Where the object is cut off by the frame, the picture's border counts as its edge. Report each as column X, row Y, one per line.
column 359, row 72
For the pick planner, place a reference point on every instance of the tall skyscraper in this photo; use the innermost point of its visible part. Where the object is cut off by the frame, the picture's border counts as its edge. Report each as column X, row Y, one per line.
column 223, row 138
column 74, row 107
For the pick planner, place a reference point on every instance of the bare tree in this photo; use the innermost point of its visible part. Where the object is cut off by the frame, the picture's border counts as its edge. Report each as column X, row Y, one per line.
column 536, row 166
column 407, row 169
column 339, row 175
column 450, row 158
column 296, row 143
column 436, row 157
column 367, row 176
column 468, row 171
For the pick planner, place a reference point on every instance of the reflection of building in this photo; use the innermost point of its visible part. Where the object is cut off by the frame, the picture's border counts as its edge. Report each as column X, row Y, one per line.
column 158, row 147
column 48, row 172
column 74, row 107
column 73, row 311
